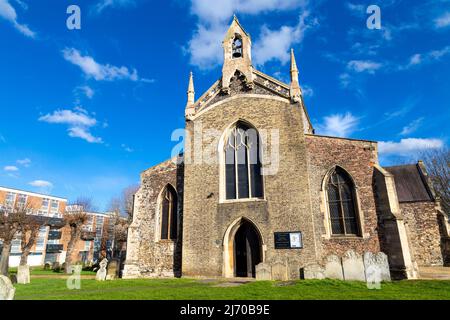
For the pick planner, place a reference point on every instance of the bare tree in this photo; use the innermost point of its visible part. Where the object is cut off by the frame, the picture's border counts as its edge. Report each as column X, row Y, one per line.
column 75, row 218
column 11, row 221
column 128, row 200
column 30, row 231
column 438, row 168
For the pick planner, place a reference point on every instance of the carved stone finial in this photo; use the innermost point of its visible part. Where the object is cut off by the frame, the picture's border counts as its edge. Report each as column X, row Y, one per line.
column 295, row 90
column 190, row 110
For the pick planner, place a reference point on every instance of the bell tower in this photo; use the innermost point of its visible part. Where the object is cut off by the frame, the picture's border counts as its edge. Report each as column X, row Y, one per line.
column 237, row 47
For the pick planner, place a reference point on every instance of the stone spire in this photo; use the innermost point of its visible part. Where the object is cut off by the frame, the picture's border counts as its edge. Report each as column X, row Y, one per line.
column 190, row 110
column 295, row 90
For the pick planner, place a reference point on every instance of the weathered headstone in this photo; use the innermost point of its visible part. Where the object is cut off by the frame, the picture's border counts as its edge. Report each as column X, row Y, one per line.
column 353, row 266
column 101, row 273
column 263, row 271
column 56, row 267
column 47, row 266
column 112, row 270
column 313, row 271
column 376, row 267
column 279, row 271
column 13, row 278
column 7, row 290
column 333, row 268
column 23, row 274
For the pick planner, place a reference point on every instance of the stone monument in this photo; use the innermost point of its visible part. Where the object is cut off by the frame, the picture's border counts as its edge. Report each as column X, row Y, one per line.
column 263, row 272
column 7, row 290
column 23, row 274
column 333, row 268
column 101, row 273
column 353, row 266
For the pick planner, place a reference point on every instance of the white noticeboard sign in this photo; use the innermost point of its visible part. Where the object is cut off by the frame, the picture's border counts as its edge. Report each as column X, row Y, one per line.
column 296, row 240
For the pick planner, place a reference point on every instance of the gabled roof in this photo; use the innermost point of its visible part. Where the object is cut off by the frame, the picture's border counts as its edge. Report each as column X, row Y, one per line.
column 410, row 183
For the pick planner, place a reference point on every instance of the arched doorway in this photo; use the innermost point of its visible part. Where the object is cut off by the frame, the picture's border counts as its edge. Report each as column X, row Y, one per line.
column 247, row 250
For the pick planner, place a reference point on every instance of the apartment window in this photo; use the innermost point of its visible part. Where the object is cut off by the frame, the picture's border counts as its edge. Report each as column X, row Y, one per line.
column 10, row 199
column 22, row 199
column 87, row 245
column 55, row 205
column 44, row 206
column 40, row 243
column 15, row 244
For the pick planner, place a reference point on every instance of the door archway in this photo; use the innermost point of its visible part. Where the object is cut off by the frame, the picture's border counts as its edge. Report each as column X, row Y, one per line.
column 243, row 249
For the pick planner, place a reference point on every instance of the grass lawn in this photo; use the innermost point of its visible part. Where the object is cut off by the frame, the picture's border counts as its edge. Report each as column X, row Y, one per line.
column 190, row 289
column 39, row 271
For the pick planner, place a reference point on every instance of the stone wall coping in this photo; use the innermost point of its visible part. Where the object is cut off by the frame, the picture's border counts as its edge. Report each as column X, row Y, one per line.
column 339, row 138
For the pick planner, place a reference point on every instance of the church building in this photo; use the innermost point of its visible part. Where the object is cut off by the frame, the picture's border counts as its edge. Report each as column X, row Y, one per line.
column 255, row 185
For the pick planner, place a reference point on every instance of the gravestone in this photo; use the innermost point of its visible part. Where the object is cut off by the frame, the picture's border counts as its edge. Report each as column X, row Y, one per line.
column 13, row 278
column 376, row 267
column 23, row 274
column 112, row 270
column 353, row 266
column 333, row 268
column 313, row 271
column 263, row 272
column 101, row 273
column 7, row 290
column 56, row 267
column 279, row 271
column 47, row 266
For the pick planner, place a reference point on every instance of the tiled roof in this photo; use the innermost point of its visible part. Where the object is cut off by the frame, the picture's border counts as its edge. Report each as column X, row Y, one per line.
column 410, row 183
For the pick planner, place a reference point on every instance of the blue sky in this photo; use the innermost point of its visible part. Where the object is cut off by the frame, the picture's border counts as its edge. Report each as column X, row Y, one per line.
column 85, row 111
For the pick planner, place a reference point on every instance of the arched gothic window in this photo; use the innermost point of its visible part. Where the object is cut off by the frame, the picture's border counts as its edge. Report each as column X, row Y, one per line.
column 237, row 47
column 243, row 179
column 168, row 211
column 342, row 205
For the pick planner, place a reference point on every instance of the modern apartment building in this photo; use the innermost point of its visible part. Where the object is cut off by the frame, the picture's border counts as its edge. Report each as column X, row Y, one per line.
column 51, row 244
column 48, row 244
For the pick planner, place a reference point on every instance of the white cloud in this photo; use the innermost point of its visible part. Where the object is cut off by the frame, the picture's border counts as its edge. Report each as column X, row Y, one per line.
column 75, row 118
column 126, row 148
column 443, row 21
column 104, row 4
column 412, row 127
column 87, row 91
column 100, row 72
column 360, row 66
column 10, row 168
column 275, row 44
column 307, row 91
column 425, row 58
column 338, row 125
column 24, row 162
column 41, row 184
column 357, row 9
column 8, row 13
column 78, row 120
column 2, row 138
column 205, row 48
column 408, row 147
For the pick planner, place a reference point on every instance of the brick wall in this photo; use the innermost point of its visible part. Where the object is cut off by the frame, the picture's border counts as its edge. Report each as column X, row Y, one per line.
column 356, row 157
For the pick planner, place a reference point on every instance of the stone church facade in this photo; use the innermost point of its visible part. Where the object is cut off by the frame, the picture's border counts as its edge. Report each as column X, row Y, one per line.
column 254, row 177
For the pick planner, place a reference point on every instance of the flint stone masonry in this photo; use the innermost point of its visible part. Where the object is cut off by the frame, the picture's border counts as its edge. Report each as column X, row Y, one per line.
column 7, row 290
column 353, row 266
column 297, row 164
column 263, row 272
column 377, row 263
column 333, row 268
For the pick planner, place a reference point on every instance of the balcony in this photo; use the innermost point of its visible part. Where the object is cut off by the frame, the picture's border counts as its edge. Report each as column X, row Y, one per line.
column 54, row 248
column 54, row 235
column 87, row 235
